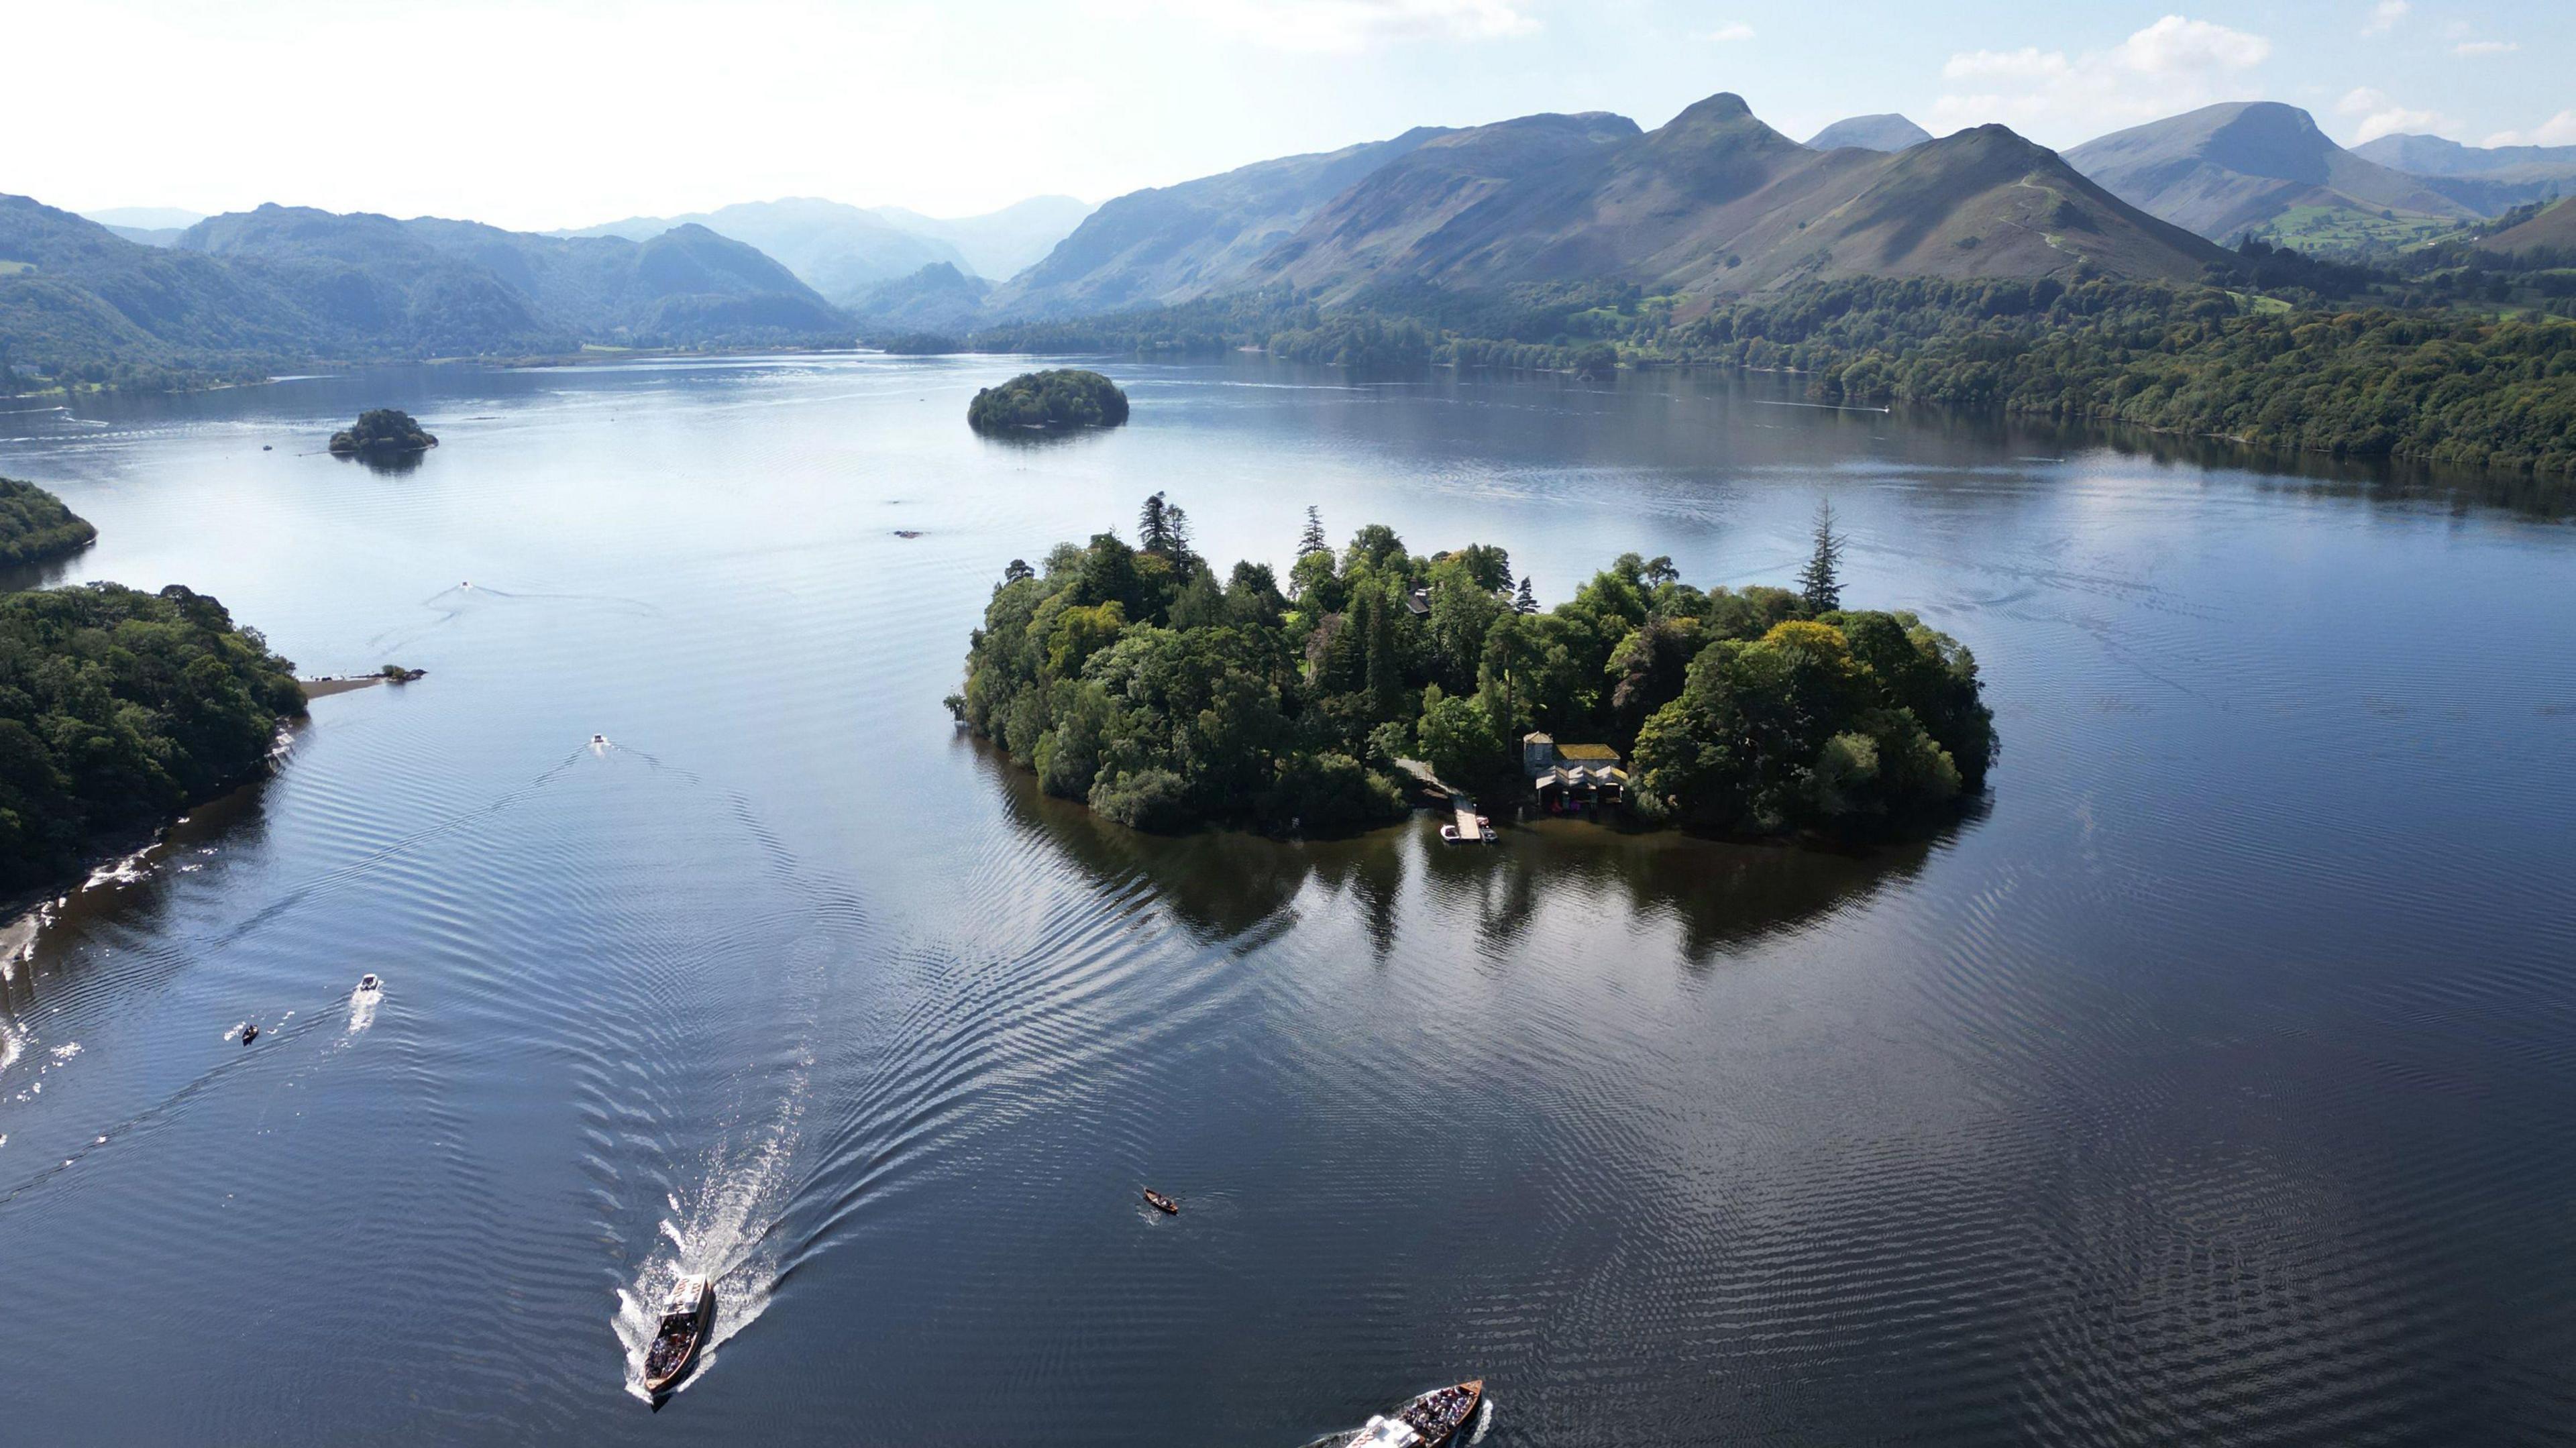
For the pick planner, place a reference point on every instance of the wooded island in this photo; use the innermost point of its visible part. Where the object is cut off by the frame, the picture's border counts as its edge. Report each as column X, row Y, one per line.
column 1132, row 679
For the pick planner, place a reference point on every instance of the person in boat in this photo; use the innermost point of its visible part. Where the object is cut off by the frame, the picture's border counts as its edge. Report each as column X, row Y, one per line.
column 250, row 1033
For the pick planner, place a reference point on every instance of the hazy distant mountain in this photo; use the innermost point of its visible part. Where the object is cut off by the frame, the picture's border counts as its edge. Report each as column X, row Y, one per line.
column 1717, row 202
column 149, row 225
column 838, row 250
column 999, row 244
column 1888, row 132
column 283, row 282
column 146, row 218
column 2226, row 169
column 2488, row 179
column 1171, row 243
column 937, row 298
column 2554, row 229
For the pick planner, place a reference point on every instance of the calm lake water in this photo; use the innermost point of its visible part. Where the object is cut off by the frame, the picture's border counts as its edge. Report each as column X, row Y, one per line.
column 2215, row 1083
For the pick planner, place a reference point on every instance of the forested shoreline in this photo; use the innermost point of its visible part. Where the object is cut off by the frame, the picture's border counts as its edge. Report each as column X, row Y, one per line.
column 1131, row 678
column 118, row 710
column 35, row 527
column 2298, row 372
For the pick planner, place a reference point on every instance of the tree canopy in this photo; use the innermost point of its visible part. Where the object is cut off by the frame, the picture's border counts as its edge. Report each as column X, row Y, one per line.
column 382, row 430
column 1132, row 678
column 35, row 527
column 120, row 708
column 1060, row 397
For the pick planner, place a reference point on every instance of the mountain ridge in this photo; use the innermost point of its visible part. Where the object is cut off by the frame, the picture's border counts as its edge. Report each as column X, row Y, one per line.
column 2228, row 169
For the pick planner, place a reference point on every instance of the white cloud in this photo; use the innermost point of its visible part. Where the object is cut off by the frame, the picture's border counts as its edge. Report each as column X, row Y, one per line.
column 2176, row 64
column 1732, row 32
column 2174, row 46
column 2558, row 130
column 2384, row 17
column 2472, row 49
column 2383, row 116
column 1349, row 25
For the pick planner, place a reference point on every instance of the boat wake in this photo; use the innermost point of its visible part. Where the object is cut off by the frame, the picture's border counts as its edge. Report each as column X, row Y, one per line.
column 722, row 1233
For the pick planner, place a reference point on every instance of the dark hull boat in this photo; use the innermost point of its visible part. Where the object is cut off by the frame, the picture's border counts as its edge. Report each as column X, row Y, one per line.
column 688, row 1315
column 1433, row 1420
column 1162, row 1203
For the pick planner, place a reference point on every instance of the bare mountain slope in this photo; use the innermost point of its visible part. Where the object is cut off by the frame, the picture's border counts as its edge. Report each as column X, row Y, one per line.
column 1717, row 202
column 2223, row 170
column 1172, row 243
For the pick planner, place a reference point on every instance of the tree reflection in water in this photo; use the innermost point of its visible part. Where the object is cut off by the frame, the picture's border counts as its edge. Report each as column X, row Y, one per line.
column 1232, row 886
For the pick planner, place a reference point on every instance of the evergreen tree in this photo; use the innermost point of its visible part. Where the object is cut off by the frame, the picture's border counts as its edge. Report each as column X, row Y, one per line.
column 1312, row 540
column 1153, row 526
column 1820, row 582
column 1527, row 602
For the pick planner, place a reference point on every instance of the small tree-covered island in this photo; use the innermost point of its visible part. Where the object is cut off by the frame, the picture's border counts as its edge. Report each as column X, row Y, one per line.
column 1133, row 679
column 379, row 431
column 119, row 709
column 35, row 527
column 1062, row 397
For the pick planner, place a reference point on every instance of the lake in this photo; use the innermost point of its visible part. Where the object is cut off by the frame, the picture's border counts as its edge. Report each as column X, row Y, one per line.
column 2210, row 1082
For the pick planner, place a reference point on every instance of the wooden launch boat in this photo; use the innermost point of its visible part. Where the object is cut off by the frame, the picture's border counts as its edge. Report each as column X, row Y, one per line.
column 1162, row 1203
column 1433, row 1420
column 688, row 1315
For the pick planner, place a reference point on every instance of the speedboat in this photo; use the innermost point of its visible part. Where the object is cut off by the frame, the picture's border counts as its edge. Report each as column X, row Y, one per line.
column 1430, row 1421
column 688, row 1314
column 250, row 1033
column 368, row 982
column 598, row 739
column 1162, row 1203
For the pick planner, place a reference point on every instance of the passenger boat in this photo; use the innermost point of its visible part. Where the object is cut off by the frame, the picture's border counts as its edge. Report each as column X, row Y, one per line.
column 688, row 1315
column 1162, row 1203
column 1433, row 1420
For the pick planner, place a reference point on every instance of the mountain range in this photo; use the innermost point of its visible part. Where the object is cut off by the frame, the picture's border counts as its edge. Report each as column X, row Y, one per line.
column 843, row 251
column 1712, row 204
column 295, row 282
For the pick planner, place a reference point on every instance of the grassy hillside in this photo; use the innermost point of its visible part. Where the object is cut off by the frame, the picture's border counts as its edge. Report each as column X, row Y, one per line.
column 1716, row 203
column 2551, row 230
column 242, row 294
column 2227, row 170
column 1173, row 243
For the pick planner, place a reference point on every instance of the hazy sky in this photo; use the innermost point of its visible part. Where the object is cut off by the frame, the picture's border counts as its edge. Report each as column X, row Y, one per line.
column 548, row 113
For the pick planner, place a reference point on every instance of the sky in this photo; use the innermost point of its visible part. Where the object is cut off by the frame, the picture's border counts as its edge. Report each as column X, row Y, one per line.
column 557, row 113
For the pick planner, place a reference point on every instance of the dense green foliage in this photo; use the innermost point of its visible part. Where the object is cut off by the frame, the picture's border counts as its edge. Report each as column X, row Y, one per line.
column 382, row 430
column 2318, row 357
column 120, row 708
column 1060, row 397
column 2441, row 387
column 35, row 526
column 1133, row 678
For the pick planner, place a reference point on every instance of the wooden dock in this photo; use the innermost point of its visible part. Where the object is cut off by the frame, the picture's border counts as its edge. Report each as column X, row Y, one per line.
column 1469, row 832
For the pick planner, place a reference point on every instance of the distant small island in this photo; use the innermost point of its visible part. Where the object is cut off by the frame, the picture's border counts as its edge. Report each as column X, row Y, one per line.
column 35, row 527
column 118, row 710
column 379, row 431
column 1132, row 679
column 1058, row 398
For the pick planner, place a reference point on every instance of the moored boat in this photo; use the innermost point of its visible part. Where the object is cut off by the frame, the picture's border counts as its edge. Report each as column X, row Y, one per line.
column 688, row 1313
column 1430, row 1421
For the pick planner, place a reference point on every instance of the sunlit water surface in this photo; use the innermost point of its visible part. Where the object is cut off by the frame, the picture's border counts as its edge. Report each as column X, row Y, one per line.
column 2212, row 1084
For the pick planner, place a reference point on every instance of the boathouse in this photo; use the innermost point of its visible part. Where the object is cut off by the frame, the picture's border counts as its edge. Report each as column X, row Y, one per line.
column 1572, row 776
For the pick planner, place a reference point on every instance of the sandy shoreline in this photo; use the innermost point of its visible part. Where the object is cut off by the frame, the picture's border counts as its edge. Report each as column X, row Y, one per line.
column 325, row 688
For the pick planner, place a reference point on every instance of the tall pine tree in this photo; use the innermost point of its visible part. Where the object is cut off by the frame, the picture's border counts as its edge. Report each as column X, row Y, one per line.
column 1527, row 601
column 1820, row 582
column 1312, row 540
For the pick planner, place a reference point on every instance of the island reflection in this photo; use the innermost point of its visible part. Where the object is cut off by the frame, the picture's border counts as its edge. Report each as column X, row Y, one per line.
column 1228, row 885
